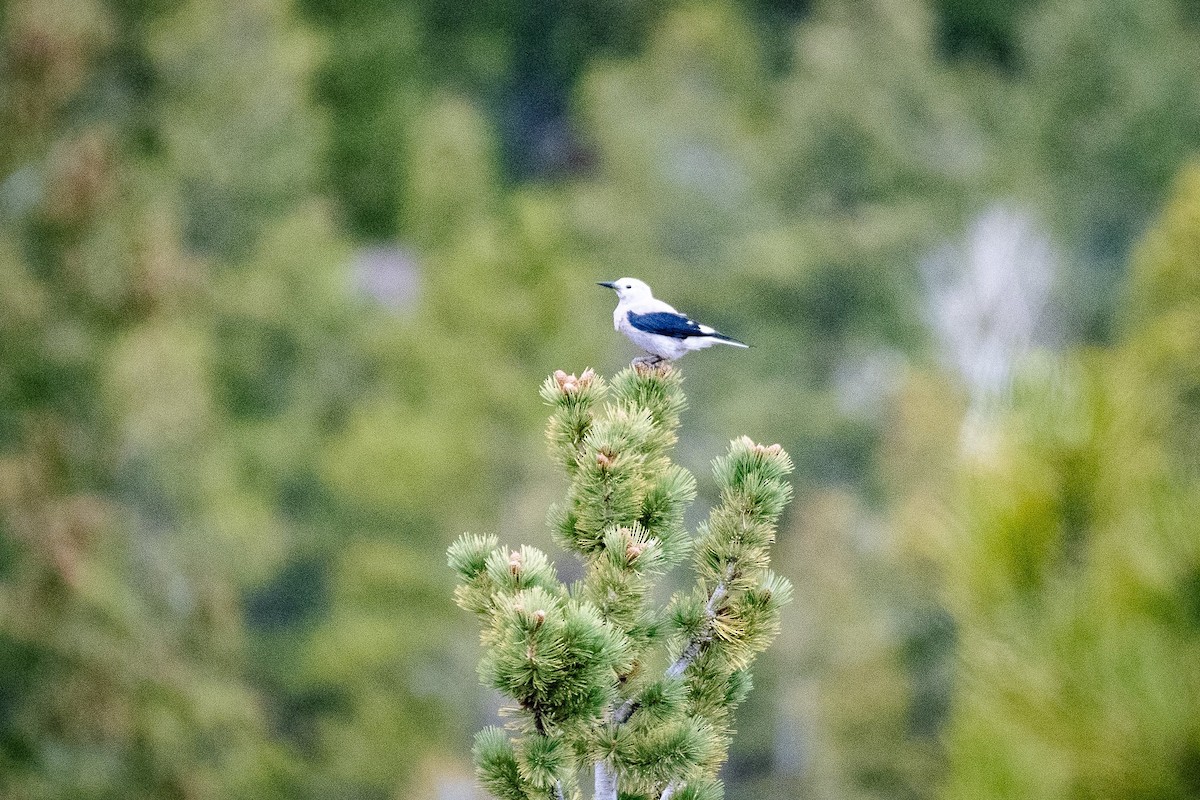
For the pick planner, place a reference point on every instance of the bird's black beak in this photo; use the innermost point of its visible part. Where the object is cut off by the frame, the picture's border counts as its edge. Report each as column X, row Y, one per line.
column 607, row 284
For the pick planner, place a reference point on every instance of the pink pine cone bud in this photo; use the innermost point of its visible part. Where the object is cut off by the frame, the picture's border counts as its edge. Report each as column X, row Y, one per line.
column 566, row 383
column 569, row 383
column 760, row 449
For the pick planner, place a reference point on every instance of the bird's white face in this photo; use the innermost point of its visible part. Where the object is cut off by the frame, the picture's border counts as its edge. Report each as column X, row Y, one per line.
column 631, row 289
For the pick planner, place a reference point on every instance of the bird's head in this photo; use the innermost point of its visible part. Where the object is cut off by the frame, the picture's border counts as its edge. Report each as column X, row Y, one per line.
column 629, row 289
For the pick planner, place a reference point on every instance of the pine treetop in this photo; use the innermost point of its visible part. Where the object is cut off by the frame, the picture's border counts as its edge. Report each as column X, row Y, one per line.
column 583, row 665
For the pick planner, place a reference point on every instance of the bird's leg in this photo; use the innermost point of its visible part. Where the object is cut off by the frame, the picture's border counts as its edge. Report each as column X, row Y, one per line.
column 649, row 360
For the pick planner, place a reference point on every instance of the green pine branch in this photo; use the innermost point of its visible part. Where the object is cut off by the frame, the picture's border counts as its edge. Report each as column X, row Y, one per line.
column 579, row 662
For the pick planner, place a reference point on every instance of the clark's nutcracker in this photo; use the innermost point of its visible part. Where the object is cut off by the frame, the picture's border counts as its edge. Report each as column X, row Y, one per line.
column 658, row 328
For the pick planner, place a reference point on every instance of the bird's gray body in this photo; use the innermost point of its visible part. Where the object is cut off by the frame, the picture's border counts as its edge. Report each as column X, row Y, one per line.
column 656, row 327
column 665, row 347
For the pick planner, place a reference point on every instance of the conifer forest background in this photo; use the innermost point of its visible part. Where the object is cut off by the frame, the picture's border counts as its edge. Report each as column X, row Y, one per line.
column 280, row 279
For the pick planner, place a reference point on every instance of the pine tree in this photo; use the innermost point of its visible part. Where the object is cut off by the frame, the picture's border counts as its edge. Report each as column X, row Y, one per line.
column 602, row 676
column 1070, row 565
column 121, row 636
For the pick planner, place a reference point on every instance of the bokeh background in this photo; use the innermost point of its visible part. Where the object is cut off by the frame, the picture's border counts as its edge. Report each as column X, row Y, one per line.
column 279, row 280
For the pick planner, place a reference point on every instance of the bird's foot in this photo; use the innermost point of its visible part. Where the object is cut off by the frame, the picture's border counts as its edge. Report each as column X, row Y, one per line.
column 645, row 365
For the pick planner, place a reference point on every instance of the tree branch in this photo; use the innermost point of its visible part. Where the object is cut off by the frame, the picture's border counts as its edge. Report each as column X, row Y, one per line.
column 623, row 712
column 606, row 782
column 704, row 636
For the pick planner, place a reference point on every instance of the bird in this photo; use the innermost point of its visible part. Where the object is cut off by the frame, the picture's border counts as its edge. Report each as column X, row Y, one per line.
column 657, row 327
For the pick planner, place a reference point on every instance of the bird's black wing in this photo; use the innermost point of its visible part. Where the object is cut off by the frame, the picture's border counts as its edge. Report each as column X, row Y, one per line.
column 664, row 323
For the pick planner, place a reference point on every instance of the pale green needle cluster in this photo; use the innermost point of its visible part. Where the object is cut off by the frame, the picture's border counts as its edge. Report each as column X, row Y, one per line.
column 609, row 683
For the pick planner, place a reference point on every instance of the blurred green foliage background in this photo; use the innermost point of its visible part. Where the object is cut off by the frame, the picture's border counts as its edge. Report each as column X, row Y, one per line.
column 279, row 280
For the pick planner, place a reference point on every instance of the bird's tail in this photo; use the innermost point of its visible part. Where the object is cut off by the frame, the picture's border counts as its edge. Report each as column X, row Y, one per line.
column 729, row 340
